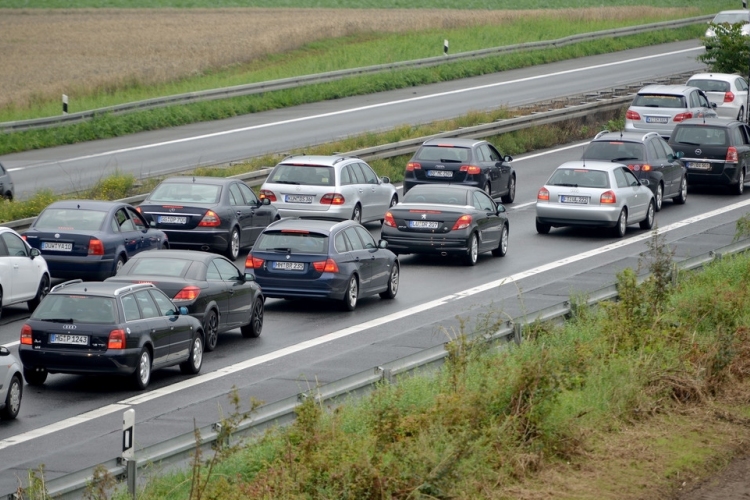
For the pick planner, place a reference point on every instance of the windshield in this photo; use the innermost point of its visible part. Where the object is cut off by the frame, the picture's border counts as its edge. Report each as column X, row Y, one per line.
column 443, row 154
column 579, row 177
column 292, row 242
column 614, row 151
column 173, row 192
column 730, row 18
column 710, row 85
column 659, row 101
column 76, row 309
column 159, row 266
column 701, row 136
column 445, row 196
column 70, row 219
column 308, row 175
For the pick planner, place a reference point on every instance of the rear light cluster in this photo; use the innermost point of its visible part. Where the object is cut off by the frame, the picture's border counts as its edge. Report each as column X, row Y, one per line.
column 543, row 195
column 26, row 335
column 632, row 115
column 608, row 198
column 96, row 247
column 265, row 193
column 253, row 262
column 682, row 116
column 462, row 223
column 470, row 169
column 642, row 168
column 188, row 293
column 211, row 219
column 332, row 199
column 728, row 97
column 116, row 339
column 327, row 266
column 388, row 220
column 732, row 156
column 412, row 166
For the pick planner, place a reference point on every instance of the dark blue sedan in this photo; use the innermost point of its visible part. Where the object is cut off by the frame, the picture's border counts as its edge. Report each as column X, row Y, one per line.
column 91, row 239
column 304, row 258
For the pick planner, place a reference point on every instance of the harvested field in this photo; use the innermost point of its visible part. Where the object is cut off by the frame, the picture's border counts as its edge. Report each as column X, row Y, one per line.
column 87, row 50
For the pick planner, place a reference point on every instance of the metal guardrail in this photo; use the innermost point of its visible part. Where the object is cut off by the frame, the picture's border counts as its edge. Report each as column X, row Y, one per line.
column 181, row 447
column 298, row 81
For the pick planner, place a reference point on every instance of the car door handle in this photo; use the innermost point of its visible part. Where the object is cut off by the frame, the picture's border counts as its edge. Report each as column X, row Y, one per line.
column 356, row 259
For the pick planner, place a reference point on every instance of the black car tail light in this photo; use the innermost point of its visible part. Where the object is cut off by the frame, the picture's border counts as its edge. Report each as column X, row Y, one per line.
column 116, row 339
column 253, row 262
column 470, row 169
column 462, row 223
column 388, row 220
column 190, row 292
column 732, row 156
column 96, row 247
column 328, row 266
column 26, row 335
column 412, row 166
column 211, row 219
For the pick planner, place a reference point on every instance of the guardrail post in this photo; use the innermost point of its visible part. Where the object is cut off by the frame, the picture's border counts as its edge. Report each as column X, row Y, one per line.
column 128, row 450
column 385, row 373
column 675, row 274
column 517, row 333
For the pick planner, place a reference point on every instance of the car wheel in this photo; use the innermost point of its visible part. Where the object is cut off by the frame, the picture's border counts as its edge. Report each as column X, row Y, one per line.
column 35, row 376
column 8, row 196
column 142, row 374
column 357, row 214
column 41, row 292
column 351, row 294
column 253, row 329
column 740, row 187
column 508, row 198
column 622, row 224
column 542, row 228
column 211, row 329
column 682, row 197
column 472, row 250
column 118, row 264
column 233, row 247
column 392, row 290
column 12, row 399
column 648, row 222
column 193, row 364
column 658, row 197
column 502, row 246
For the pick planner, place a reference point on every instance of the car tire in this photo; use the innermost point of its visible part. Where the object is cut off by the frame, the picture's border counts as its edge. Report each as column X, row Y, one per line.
column 233, row 246
column 8, row 196
column 511, row 195
column 739, row 188
column 472, row 250
column 502, row 245
column 12, row 399
column 351, row 294
column 35, row 376
column 393, row 278
column 681, row 198
column 357, row 214
column 142, row 374
column 622, row 223
column 658, row 197
column 648, row 222
column 193, row 364
column 41, row 292
column 211, row 329
column 118, row 264
column 542, row 228
column 253, row 329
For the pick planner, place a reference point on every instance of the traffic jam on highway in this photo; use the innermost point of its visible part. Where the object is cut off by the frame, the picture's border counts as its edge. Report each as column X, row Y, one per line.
column 121, row 290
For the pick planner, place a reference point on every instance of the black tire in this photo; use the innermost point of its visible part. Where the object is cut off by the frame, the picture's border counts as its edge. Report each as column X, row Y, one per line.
column 34, row 376
column 681, row 198
column 211, row 329
column 511, row 195
column 502, row 245
column 142, row 374
column 659, row 197
column 739, row 188
column 357, row 214
column 8, row 196
column 542, row 228
column 13, row 399
column 351, row 294
column 472, row 250
column 648, row 222
column 622, row 224
column 41, row 292
column 233, row 245
column 118, row 264
column 253, row 329
column 393, row 279
column 193, row 364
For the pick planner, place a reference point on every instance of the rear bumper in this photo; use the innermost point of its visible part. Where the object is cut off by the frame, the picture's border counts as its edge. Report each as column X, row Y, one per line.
column 213, row 241
column 90, row 268
column 720, row 174
column 426, row 244
column 121, row 362
column 327, row 286
column 559, row 215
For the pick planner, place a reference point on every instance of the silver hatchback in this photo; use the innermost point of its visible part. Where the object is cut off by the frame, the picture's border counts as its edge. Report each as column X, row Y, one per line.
column 658, row 108
column 329, row 187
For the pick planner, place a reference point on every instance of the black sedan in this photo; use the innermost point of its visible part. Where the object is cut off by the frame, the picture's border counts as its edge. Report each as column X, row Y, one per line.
column 296, row 258
column 210, row 286
column 447, row 220
column 216, row 214
column 91, row 239
column 100, row 328
column 715, row 151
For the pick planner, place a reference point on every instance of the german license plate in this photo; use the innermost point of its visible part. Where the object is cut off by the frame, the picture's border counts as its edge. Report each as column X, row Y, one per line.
column 698, row 165
column 298, row 198
column 56, row 245
column 439, row 173
column 657, row 119
column 424, row 224
column 64, row 338
column 289, row 266
column 580, row 200
column 172, row 219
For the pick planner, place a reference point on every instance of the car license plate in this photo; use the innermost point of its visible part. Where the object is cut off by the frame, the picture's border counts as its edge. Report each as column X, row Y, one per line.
column 64, row 338
column 424, row 224
column 172, row 219
column 657, row 119
column 698, row 165
column 289, row 266
column 56, row 245
column 439, row 173
column 580, row 200
column 298, row 198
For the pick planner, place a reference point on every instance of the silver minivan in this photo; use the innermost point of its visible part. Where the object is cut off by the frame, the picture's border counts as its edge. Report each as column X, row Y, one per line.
column 658, row 108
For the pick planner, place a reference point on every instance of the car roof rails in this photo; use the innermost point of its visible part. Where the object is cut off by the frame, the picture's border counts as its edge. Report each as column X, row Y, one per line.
column 132, row 287
column 605, row 131
column 67, row 283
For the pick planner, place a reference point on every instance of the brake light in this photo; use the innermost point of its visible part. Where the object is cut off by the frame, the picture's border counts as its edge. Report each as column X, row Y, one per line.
column 265, row 193
column 138, row 209
column 26, row 337
column 732, row 156
column 188, row 293
column 332, row 199
column 388, row 220
column 470, row 169
column 462, row 223
column 636, row 168
column 608, row 197
column 542, row 195
column 683, row 116
column 728, row 97
column 210, row 220
column 253, row 262
column 632, row 115
column 412, row 166
column 96, row 247
column 116, row 339
column 329, row 266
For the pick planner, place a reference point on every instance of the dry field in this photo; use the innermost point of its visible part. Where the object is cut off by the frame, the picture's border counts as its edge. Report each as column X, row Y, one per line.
column 45, row 53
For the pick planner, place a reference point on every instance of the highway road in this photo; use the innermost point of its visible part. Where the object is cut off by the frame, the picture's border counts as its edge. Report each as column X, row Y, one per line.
column 74, row 422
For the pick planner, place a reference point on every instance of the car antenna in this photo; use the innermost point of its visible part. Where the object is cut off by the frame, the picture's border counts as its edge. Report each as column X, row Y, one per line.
column 620, row 134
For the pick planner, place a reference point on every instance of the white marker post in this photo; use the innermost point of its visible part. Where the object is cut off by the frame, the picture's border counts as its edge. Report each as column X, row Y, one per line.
column 445, row 47
column 128, row 448
column 65, row 104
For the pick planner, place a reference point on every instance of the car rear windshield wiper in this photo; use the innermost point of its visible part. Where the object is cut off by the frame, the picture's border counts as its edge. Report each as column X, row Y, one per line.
column 624, row 158
column 285, row 182
column 60, row 320
column 449, row 160
column 283, row 250
column 566, row 185
column 691, row 143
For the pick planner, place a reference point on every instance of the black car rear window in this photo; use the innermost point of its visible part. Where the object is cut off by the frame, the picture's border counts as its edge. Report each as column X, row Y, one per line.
column 77, row 309
column 579, row 177
column 173, row 192
column 710, row 85
column 446, row 196
column 614, row 151
column 70, row 219
column 307, row 175
column 659, row 101
column 292, row 241
column 159, row 267
column 703, row 135
column 443, row 154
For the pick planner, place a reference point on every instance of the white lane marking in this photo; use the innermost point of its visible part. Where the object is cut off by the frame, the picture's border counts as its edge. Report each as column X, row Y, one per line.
column 200, row 379
column 360, row 108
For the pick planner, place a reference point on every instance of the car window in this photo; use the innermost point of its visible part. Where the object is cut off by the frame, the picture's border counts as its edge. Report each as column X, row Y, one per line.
column 370, row 176
column 15, row 245
column 443, row 154
column 620, row 178
column 653, row 153
column 123, row 221
column 250, row 198
column 703, row 101
column 366, row 237
column 212, row 273
column 340, row 243
column 130, row 308
column 741, row 84
column 483, row 202
column 292, row 241
column 445, row 195
column 166, row 307
column 3, row 249
column 694, row 101
column 357, row 173
column 667, row 149
column 78, row 308
column 235, row 196
column 157, row 266
column 70, row 219
column 138, row 221
column 579, row 177
column 745, row 133
column 308, row 175
column 659, row 101
column 183, row 192
column 2, row 169
column 491, row 153
column 227, row 270
column 614, row 151
column 146, row 304
column 710, row 85
column 346, row 176
column 737, row 136
column 630, row 177
column 354, row 240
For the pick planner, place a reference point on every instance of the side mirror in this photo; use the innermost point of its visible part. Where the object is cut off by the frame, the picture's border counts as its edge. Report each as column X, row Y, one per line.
column 34, row 252
column 501, row 209
column 152, row 223
column 385, row 179
column 265, row 201
column 679, row 154
column 382, row 244
column 4, row 351
column 249, row 277
column 507, row 158
column 183, row 310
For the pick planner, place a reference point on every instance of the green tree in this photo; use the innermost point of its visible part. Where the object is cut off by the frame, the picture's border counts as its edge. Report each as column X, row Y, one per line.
column 727, row 52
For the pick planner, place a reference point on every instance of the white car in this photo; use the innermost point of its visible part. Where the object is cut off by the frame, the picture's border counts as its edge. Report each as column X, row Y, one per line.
column 727, row 91
column 658, row 108
column 740, row 16
column 11, row 385
column 24, row 276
